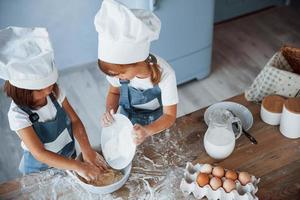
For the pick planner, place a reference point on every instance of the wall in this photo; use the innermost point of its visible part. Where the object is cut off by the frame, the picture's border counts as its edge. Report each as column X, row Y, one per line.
column 70, row 24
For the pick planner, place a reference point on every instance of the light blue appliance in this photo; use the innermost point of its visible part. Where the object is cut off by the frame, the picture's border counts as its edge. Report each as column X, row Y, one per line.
column 186, row 35
column 140, row 4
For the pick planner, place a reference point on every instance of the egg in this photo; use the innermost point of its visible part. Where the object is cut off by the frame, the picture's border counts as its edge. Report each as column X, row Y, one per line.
column 244, row 178
column 202, row 179
column 230, row 174
column 215, row 183
column 229, row 185
column 218, row 171
column 206, row 168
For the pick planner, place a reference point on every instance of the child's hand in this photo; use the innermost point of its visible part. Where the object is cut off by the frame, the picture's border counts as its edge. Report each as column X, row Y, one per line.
column 94, row 158
column 140, row 133
column 107, row 118
column 88, row 171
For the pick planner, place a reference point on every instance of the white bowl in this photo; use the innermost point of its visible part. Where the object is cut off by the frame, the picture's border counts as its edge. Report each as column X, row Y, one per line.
column 239, row 111
column 103, row 189
column 117, row 143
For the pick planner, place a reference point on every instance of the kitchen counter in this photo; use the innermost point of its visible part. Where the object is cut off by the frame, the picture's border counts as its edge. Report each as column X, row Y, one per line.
column 159, row 163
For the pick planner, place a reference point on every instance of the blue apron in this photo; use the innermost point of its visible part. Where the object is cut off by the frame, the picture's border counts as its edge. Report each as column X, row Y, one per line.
column 47, row 132
column 130, row 96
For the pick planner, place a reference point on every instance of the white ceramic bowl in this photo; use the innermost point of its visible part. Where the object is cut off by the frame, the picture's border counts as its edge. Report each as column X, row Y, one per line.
column 239, row 110
column 103, row 189
column 117, row 143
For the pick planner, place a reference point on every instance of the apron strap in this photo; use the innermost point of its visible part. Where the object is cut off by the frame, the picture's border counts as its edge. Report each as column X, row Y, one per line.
column 125, row 91
column 33, row 116
column 54, row 101
column 158, row 90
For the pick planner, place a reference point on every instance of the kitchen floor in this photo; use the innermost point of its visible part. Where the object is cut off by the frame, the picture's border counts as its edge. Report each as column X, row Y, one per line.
column 241, row 49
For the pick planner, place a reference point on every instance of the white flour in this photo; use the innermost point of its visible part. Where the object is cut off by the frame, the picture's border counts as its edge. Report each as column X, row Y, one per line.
column 156, row 174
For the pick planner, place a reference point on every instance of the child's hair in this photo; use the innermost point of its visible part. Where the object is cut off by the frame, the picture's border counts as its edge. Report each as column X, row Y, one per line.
column 115, row 69
column 24, row 97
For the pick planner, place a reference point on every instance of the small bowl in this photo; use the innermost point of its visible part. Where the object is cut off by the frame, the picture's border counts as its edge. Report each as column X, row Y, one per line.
column 237, row 109
column 102, row 189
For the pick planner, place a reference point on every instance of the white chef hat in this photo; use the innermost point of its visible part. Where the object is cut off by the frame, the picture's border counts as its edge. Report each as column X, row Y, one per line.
column 26, row 58
column 125, row 35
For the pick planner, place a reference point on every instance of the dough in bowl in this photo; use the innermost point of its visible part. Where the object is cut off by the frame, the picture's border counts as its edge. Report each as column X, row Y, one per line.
column 108, row 177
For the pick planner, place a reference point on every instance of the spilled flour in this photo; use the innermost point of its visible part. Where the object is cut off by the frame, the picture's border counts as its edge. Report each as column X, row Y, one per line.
column 156, row 173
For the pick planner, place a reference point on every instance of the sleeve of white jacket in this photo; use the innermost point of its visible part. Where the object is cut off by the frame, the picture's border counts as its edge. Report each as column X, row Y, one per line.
column 62, row 94
column 168, row 86
column 18, row 119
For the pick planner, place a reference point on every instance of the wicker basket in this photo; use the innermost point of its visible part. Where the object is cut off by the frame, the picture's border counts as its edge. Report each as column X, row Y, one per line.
column 276, row 77
column 292, row 56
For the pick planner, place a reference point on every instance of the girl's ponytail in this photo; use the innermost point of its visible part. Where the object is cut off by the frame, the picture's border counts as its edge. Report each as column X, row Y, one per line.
column 154, row 68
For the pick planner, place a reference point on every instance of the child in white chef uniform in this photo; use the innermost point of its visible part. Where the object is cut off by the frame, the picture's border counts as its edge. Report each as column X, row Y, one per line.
column 143, row 85
column 40, row 113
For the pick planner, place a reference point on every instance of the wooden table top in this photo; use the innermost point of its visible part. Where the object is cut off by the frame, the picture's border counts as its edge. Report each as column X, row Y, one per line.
column 275, row 159
column 159, row 163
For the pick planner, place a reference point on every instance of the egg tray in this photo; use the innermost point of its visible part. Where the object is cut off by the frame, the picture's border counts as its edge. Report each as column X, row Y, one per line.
column 189, row 185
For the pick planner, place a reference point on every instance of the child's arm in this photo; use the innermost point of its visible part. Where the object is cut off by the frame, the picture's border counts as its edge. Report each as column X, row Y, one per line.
column 89, row 155
column 36, row 147
column 165, row 121
column 112, row 105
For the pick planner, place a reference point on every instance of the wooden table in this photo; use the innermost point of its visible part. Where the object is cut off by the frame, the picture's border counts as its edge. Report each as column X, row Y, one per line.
column 159, row 163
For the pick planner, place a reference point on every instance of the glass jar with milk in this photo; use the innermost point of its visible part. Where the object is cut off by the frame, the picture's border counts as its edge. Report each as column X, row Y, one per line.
column 219, row 139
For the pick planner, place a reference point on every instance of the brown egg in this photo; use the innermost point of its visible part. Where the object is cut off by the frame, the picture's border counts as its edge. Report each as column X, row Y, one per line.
column 202, row 179
column 206, row 168
column 244, row 178
column 218, row 171
column 215, row 183
column 229, row 185
column 230, row 174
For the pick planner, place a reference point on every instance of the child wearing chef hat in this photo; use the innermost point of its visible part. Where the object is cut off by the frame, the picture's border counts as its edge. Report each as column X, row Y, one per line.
column 39, row 112
column 143, row 85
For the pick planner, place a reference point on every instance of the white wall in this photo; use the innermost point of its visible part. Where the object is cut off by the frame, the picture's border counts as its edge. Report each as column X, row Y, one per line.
column 70, row 24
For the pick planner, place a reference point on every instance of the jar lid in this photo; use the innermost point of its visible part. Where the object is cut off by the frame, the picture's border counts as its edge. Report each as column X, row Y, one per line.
column 273, row 103
column 293, row 105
